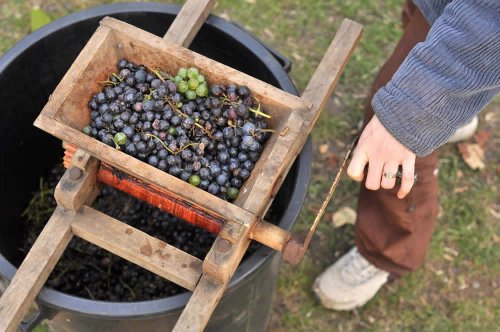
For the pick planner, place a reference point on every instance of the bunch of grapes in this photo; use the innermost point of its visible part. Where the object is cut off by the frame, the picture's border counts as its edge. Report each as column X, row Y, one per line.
column 209, row 136
column 191, row 83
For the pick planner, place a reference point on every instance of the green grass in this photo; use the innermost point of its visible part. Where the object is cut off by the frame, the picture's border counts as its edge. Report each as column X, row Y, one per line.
column 459, row 286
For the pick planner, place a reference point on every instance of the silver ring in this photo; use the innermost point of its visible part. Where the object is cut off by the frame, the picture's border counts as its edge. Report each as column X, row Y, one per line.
column 389, row 176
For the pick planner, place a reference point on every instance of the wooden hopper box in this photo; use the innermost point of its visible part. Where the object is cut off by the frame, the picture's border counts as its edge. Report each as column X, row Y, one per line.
column 67, row 111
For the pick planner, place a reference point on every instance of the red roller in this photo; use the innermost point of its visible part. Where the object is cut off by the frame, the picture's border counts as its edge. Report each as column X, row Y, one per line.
column 151, row 194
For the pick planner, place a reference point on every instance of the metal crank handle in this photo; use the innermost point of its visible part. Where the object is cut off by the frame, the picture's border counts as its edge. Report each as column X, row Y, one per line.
column 296, row 247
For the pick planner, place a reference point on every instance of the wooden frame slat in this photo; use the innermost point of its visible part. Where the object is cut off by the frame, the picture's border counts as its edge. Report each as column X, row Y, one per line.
column 178, row 188
column 84, row 61
column 138, row 247
column 189, row 21
column 145, row 44
column 317, row 92
column 334, row 61
column 35, row 269
column 218, row 268
column 50, row 244
column 200, row 307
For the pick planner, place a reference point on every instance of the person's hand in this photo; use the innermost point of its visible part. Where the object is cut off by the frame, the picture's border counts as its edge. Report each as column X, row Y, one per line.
column 383, row 154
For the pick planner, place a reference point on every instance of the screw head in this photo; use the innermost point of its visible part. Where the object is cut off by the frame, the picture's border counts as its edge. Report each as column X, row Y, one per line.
column 223, row 245
column 74, row 173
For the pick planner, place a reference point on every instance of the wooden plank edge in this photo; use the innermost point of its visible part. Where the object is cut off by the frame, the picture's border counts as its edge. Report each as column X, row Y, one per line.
column 334, row 61
column 218, row 268
column 138, row 247
column 188, row 22
column 293, row 102
column 35, row 269
column 65, row 86
column 203, row 200
column 201, row 305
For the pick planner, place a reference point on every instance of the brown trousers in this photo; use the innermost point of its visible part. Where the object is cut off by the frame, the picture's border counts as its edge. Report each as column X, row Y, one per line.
column 394, row 234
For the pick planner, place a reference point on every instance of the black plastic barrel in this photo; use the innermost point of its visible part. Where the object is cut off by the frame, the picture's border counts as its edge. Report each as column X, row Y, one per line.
column 30, row 71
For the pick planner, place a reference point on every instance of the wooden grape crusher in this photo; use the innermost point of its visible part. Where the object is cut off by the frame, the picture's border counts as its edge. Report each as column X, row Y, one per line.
column 93, row 163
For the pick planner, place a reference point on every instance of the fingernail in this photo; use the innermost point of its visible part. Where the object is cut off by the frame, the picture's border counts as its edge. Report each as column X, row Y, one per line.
column 356, row 178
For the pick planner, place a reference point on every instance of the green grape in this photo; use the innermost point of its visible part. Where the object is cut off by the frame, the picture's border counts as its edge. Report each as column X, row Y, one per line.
column 202, row 90
column 183, row 87
column 192, row 72
column 193, row 83
column 182, row 72
column 178, row 79
column 179, row 104
column 232, row 193
column 120, row 138
column 201, row 78
column 87, row 130
column 171, row 131
column 191, row 95
column 195, row 180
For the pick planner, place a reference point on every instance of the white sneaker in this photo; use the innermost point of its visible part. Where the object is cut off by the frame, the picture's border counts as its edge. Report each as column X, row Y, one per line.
column 349, row 283
column 465, row 132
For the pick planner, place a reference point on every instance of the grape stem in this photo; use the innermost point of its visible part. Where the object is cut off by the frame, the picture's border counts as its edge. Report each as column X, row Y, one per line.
column 107, row 82
column 118, row 77
column 63, row 272
column 258, row 111
column 167, row 148
column 127, row 287
column 162, row 143
column 186, row 146
column 157, row 73
column 117, row 146
column 172, row 106
column 226, row 100
column 89, row 293
column 148, row 96
column 265, row 130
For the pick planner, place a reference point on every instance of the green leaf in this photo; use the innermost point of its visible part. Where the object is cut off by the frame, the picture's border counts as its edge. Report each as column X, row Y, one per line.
column 39, row 18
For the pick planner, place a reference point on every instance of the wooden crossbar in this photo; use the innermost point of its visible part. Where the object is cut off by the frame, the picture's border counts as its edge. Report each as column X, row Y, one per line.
column 138, row 247
column 50, row 244
column 35, row 269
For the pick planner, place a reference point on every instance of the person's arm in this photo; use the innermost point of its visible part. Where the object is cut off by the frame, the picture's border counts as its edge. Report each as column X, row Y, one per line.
column 441, row 85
